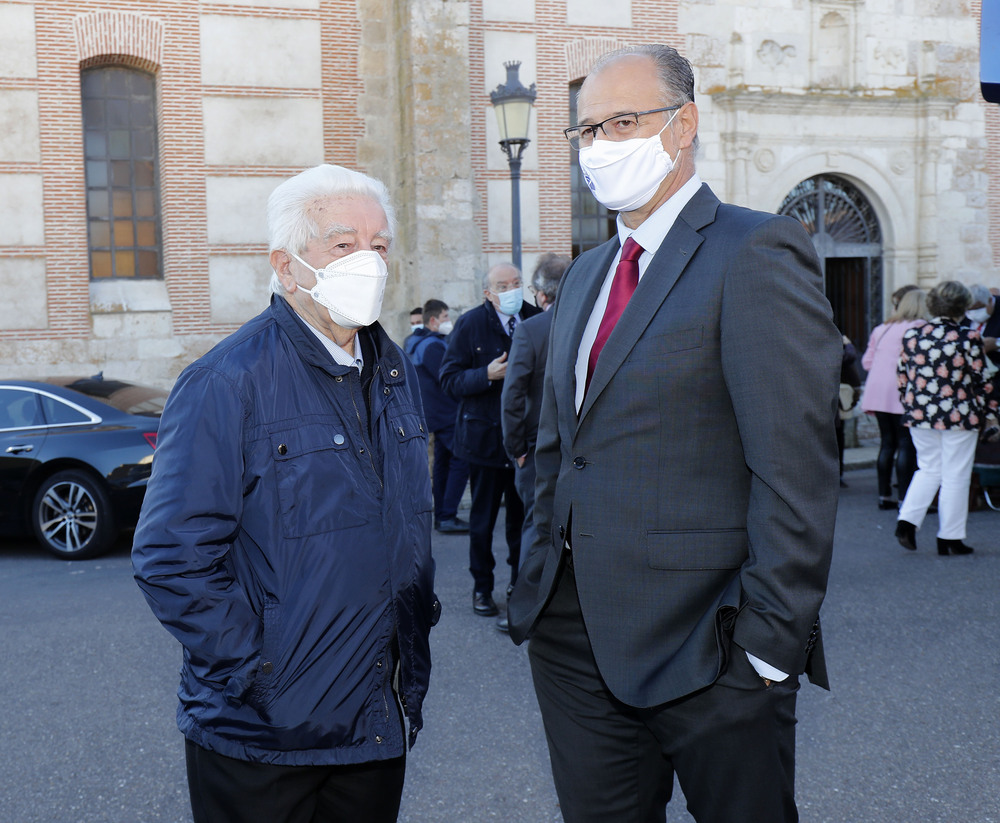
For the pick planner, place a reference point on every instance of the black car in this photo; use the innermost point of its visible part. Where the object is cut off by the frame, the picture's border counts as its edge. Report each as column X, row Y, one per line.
column 75, row 455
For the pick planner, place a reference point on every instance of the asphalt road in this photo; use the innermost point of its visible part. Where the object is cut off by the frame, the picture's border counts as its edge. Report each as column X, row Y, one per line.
column 909, row 732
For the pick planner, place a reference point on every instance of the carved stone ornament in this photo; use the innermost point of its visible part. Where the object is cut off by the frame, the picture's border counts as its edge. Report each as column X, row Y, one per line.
column 764, row 160
column 900, row 161
column 772, row 54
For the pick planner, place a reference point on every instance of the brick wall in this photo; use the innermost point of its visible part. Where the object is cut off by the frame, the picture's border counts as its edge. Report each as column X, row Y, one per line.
column 993, row 194
column 564, row 54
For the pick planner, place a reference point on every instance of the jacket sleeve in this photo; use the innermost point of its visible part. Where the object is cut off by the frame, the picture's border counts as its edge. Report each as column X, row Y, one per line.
column 516, row 385
column 190, row 516
column 459, row 375
column 782, row 379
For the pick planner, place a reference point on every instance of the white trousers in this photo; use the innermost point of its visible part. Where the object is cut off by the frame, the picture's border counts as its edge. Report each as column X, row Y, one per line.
column 944, row 460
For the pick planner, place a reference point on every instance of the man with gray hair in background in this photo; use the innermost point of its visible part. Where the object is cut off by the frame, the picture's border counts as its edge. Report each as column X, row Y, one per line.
column 285, row 534
column 521, row 399
column 473, row 371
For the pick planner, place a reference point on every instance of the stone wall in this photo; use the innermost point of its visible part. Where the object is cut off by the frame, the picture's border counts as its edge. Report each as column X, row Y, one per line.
column 884, row 94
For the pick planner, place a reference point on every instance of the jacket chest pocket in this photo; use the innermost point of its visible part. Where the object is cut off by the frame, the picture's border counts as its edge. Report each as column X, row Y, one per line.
column 319, row 484
column 409, row 435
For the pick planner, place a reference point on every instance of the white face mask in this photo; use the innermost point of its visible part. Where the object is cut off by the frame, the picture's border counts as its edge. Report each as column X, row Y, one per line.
column 978, row 315
column 445, row 327
column 625, row 175
column 351, row 288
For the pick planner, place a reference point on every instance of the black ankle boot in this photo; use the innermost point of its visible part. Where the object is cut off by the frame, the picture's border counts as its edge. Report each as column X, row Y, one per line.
column 953, row 547
column 906, row 534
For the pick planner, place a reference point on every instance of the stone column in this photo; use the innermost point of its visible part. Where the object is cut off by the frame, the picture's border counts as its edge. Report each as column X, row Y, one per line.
column 417, row 123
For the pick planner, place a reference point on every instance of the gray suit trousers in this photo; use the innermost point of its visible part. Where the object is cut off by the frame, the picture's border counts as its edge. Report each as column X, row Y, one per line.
column 732, row 745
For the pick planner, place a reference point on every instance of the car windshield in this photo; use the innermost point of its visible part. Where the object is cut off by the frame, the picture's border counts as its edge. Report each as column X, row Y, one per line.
column 127, row 397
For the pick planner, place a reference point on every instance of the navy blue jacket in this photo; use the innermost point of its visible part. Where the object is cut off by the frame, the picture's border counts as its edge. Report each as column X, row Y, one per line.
column 426, row 350
column 476, row 341
column 286, row 544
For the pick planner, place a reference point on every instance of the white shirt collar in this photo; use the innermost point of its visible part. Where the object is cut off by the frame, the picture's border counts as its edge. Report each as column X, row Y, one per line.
column 655, row 227
column 341, row 357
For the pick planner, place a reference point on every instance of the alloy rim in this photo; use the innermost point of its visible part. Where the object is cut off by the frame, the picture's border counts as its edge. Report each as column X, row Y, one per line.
column 68, row 516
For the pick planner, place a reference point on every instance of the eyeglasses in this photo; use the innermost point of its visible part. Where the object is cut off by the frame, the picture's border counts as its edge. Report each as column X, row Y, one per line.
column 506, row 287
column 622, row 127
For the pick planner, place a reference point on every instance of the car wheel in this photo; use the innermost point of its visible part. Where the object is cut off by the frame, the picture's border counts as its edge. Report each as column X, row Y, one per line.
column 72, row 517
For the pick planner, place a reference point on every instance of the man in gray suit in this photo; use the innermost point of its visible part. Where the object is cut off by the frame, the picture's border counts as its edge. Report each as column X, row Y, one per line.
column 521, row 398
column 687, row 478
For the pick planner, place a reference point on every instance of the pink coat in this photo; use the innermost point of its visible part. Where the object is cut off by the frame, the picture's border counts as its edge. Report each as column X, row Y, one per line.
column 880, row 360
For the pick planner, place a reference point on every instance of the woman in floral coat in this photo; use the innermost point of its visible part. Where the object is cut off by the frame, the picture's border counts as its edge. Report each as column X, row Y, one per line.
column 945, row 402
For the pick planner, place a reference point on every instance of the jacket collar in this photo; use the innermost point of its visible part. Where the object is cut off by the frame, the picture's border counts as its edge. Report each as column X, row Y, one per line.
column 387, row 354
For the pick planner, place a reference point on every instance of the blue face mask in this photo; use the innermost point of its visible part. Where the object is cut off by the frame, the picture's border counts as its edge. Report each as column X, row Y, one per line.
column 510, row 301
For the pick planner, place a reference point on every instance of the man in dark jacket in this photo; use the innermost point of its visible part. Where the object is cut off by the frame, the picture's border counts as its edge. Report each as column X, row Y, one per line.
column 521, row 398
column 450, row 474
column 285, row 534
column 472, row 371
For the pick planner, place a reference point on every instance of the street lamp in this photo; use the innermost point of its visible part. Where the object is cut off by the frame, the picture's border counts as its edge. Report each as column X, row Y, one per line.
column 512, row 104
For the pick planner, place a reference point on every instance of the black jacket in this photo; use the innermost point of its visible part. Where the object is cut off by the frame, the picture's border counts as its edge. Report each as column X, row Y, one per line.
column 522, row 387
column 476, row 341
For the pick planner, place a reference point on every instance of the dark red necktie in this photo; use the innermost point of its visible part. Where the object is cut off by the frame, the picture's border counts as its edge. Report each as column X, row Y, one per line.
column 624, row 283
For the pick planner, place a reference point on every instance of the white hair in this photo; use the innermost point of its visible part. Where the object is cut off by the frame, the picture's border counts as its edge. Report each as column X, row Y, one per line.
column 981, row 294
column 289, row 227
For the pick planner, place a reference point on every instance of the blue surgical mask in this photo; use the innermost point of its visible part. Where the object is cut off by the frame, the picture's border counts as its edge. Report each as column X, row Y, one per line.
column 510, row 301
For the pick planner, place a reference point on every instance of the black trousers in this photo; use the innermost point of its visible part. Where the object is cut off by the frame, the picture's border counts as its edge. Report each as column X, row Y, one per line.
column 896, row 447
column 450, row 476
column 732, row 745
column 489, row 485
column 224, row 790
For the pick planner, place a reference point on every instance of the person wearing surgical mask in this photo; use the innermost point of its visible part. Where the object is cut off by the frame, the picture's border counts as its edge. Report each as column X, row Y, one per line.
column 686, row 485
column 285, row 536
column 473, row 371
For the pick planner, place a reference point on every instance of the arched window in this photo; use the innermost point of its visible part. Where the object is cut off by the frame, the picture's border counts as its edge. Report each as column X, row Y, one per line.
column 847, row 236
column 123, row 208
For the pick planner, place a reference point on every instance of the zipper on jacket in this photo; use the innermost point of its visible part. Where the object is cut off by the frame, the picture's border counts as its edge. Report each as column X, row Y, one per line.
column 362, row 428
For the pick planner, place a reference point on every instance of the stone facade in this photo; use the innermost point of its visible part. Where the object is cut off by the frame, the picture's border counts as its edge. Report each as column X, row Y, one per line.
column 883, row 95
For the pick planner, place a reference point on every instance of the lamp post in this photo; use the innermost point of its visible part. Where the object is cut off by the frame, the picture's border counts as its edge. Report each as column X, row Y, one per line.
column 512, row 105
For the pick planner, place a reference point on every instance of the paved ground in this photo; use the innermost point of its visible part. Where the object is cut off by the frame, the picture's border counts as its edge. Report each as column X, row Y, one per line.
column 909, row 732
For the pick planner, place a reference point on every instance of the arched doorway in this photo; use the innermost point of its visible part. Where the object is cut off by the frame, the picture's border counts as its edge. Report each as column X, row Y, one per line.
column 848, row 239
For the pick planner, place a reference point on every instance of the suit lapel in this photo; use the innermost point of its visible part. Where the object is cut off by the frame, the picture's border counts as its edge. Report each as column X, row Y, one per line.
column 675, row 252
column 577, row 296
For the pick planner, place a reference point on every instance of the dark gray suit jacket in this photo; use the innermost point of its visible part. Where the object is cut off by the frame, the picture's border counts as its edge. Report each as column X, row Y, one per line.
column 698, row 484
column 521, row 398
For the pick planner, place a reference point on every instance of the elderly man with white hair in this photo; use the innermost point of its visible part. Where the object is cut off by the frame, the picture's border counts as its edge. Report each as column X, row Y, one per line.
column 285, row 535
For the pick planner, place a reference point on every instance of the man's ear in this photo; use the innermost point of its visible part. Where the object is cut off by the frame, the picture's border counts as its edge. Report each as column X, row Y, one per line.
column 688, row 120
column 281, row 262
